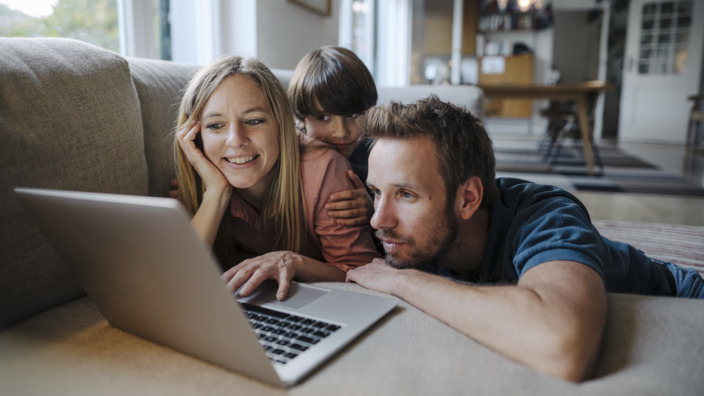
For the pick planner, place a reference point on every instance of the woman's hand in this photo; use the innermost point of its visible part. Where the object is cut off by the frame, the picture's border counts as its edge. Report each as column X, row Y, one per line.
column 351, row 207
column 209, row 173
column 250, row 273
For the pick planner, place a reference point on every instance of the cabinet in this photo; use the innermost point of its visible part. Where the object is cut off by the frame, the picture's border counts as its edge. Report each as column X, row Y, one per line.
column 516, row 70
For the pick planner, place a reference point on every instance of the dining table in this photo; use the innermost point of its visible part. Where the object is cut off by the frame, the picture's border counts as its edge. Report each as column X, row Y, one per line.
column 584, row 94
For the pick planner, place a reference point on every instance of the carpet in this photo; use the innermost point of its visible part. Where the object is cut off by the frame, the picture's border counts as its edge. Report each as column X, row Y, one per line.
column 678, row 244
column 616, row 171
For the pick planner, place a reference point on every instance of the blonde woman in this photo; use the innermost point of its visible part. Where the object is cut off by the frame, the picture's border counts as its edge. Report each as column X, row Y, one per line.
column 253, row 190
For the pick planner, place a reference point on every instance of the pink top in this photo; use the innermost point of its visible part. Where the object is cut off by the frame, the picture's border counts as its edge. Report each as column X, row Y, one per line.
column 323, row 172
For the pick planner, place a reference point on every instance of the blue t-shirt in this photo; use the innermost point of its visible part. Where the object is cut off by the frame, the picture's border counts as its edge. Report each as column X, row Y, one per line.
column 532, row 223
column 359, row 159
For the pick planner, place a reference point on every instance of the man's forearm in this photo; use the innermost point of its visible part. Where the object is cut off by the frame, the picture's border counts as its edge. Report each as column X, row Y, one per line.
column 541, row 330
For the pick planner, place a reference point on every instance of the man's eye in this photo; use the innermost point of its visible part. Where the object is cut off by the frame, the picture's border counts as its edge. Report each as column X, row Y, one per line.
column 405, row 195
column 353, row 116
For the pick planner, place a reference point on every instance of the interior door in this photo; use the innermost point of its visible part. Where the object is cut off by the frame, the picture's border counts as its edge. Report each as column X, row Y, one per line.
column 663, row 61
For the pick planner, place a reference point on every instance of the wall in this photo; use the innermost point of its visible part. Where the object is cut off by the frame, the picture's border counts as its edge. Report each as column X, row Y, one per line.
column 570, row 46
column 287, row 31
column 277, row 32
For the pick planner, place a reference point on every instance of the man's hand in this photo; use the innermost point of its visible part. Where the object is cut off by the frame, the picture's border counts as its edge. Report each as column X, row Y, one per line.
column 351, row 207
column 250, row 273
column 376, row 275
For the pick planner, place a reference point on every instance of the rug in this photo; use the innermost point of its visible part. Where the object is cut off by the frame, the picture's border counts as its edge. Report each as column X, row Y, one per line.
column 616, row 171
column 678, row 244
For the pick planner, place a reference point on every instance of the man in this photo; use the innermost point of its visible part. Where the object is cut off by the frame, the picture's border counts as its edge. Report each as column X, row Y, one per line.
column 514, row 265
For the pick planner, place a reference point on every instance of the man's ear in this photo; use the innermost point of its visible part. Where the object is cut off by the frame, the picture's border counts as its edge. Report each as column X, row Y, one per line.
column 469, row 196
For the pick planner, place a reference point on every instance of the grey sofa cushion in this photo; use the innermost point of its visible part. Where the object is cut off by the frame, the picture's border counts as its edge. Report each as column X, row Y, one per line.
column 69, row 119
column 160, row 87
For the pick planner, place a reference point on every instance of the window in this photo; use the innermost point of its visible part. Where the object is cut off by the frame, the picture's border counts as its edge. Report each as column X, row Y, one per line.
column 383, row 46
column 116, row 25
column 95, row 23
column 664, row 38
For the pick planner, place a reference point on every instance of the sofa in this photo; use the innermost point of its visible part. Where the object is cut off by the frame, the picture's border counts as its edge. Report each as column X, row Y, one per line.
column 77, row 117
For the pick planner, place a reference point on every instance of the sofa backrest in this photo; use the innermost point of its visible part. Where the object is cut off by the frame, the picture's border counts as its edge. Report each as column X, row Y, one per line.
column 69, row 119
column 159, row 86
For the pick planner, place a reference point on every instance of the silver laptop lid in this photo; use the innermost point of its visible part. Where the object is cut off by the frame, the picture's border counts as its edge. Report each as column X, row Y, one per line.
column 149, row 289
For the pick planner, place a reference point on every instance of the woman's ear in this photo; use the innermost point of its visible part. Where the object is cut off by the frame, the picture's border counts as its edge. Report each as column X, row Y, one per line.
column 469, row 196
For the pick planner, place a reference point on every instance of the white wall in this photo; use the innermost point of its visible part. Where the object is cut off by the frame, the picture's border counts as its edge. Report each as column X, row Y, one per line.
column 286, row 32
column 277, row 32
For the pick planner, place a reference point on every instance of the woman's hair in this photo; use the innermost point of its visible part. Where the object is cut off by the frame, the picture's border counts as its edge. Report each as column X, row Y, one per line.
column 284, row 198
column 464, row 149
column 333, row 78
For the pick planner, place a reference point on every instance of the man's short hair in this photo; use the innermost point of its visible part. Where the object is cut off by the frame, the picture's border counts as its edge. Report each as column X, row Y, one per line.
column 463, row 146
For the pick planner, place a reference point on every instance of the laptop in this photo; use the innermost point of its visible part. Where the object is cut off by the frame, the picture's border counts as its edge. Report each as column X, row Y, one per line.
column 149, row 274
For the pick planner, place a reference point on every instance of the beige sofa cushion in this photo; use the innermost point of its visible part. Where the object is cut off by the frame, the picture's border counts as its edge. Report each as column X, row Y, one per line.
column 652, row 346
column 69, row 119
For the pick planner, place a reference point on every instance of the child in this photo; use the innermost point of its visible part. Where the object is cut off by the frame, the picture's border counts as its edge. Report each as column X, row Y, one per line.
column 329, row 89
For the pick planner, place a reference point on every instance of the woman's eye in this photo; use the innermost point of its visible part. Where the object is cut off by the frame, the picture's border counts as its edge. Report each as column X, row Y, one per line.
column 254, row 121
column 214, row 126
column 323, row 117
column 353, row 116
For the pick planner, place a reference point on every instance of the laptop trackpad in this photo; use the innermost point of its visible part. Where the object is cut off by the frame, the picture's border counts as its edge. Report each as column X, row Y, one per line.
column 297, row 297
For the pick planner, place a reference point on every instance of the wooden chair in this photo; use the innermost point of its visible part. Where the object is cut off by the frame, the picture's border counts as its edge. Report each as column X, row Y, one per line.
column 696, row 116
column 562, row 126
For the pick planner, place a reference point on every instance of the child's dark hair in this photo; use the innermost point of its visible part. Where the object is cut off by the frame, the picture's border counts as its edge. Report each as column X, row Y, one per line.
column 332, row 80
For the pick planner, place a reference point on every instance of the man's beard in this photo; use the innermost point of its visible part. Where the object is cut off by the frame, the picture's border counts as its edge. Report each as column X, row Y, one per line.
column 442, row 236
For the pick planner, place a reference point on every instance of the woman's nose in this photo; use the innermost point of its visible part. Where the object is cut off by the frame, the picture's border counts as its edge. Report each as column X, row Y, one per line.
column 236, row 136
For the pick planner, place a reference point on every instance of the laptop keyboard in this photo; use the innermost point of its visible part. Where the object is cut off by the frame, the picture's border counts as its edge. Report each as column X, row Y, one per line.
column 285, row 336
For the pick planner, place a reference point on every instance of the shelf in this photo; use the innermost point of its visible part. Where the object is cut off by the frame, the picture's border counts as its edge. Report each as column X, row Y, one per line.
column 507, row 22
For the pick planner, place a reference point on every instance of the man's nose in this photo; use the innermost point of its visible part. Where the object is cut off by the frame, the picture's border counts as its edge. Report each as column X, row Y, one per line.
column 383, row 214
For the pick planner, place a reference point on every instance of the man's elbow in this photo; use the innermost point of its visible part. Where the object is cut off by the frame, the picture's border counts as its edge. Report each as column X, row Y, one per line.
column 573, row 361
column 574, row 371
